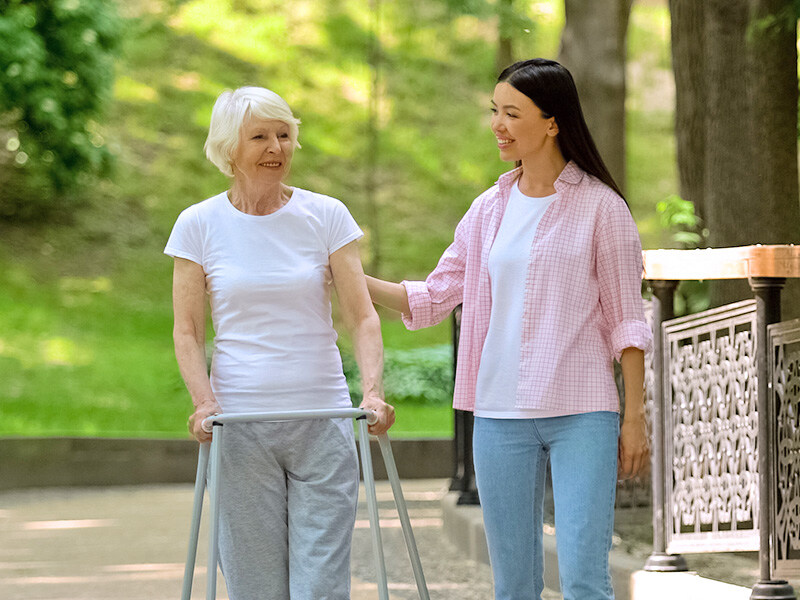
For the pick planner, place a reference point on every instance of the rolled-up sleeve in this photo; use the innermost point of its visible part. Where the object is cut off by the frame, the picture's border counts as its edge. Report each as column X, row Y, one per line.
column 619, row 274
column 432, row 300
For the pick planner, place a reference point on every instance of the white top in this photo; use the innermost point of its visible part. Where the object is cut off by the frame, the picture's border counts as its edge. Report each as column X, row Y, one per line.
column 509, row 256
column 269, row 280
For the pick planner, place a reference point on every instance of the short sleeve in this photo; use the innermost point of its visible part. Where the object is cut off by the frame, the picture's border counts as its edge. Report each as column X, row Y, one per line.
column 185, row 241
column 341, row 227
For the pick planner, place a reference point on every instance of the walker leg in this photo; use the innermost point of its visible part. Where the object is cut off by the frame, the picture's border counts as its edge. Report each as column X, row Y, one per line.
column 213, row 495
column 197, row 513
column 372, row 505
column 402, row 511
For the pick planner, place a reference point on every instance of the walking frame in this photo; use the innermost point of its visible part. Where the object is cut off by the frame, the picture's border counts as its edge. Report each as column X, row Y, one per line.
column 212, row 452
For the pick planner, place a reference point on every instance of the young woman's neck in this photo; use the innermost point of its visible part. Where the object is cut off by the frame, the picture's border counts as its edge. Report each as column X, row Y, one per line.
column 539, row 173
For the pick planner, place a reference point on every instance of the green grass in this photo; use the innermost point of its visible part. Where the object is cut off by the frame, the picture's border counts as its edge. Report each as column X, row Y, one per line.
column 85, row 344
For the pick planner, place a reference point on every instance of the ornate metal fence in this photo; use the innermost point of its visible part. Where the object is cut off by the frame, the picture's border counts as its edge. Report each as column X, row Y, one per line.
column 784, row 344
column 726, row 416
column 711, row 431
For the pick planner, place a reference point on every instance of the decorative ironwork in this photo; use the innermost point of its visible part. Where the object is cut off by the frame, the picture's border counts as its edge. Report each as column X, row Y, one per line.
column 711, row 430
column 784, row 397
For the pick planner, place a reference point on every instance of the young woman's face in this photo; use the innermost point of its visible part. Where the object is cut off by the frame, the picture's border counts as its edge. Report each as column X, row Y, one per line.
column 265, row 150
column 518, row 124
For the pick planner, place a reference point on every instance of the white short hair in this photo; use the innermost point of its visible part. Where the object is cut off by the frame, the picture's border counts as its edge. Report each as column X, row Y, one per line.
column 230, row 111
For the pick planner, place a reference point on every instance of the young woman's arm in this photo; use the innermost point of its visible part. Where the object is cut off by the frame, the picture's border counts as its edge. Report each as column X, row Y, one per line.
column 189, row 334
column 365, row 329
column 619, row 271
column 388, row 294
column 633, row 442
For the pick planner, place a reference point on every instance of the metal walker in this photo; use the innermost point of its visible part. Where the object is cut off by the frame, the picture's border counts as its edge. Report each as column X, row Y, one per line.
column 213, row 452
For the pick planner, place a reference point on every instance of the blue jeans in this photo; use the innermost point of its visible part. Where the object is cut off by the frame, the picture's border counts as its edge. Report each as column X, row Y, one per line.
column 510, row 466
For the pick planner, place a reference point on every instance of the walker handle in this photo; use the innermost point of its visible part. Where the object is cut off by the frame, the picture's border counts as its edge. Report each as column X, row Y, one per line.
column 289, row 415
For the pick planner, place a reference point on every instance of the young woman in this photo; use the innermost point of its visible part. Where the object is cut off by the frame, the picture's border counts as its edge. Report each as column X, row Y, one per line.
column 547, row 264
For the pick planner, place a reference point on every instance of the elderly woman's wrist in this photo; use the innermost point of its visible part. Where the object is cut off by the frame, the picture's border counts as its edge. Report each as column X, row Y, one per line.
column 204, row 402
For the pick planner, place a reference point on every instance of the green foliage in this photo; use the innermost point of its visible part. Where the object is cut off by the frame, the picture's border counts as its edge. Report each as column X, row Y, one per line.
column 678, row 218
column 56, row 75
column 416, row 376
column 512, row 19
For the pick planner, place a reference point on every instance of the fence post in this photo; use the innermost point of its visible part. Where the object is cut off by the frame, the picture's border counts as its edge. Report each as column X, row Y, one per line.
column 663, row 310
column 767, row 291
column 463, row 470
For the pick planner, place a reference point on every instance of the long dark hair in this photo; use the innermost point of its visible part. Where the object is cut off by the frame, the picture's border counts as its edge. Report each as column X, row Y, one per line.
column 553, row 91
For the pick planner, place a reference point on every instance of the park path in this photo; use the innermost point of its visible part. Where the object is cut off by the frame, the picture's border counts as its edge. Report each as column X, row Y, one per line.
column 129, row 543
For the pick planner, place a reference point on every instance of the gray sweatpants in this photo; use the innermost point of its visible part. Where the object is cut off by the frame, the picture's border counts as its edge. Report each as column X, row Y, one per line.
column 288, row 506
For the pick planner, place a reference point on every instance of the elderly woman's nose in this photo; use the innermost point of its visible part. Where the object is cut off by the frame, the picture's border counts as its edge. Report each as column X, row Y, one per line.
column 273, row 144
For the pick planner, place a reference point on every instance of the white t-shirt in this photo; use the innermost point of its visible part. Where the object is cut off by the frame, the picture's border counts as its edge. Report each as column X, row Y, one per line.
column 269, row 282
column 509, row 256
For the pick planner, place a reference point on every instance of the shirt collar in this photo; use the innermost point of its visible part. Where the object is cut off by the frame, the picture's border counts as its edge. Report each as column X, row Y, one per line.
column 570, row 175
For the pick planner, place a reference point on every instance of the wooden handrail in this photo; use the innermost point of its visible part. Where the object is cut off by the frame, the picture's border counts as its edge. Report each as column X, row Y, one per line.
column 722, row 263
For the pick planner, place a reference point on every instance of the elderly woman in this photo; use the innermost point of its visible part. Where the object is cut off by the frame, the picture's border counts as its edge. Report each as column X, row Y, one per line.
column 266, row 255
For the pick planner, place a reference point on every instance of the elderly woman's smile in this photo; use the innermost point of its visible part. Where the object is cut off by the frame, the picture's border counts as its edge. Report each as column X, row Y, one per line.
column 265, row 146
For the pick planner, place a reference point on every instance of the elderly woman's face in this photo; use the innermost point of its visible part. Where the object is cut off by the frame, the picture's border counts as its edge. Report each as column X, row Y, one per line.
column 264, row 152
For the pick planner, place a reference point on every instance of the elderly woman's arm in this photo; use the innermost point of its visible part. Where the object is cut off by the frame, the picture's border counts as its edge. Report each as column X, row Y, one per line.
column 189, row 333
column 362, row 321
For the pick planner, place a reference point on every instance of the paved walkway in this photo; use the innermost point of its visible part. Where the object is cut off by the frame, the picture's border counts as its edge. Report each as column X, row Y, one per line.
column 129, row 543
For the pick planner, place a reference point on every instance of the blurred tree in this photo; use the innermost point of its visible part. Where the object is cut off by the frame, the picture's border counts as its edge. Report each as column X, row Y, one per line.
column 593, row 48
column 511, row 20
column 505, row 33
column 688, row 65
column 735, row 64
column 373, row 141
column 56, row 73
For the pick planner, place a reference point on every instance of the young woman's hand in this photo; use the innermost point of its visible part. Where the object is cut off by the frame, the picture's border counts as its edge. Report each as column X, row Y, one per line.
column 634, row 450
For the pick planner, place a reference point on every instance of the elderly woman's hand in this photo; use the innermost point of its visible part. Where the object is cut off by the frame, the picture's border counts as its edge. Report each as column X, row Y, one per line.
column 195, row 423
column 384, row 412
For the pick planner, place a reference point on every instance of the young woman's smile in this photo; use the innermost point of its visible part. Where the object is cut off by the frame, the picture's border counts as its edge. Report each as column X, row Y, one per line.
column 518, row 124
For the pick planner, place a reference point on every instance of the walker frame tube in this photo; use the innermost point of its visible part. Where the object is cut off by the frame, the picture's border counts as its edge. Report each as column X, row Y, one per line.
column 212, row 453
column 197, row 512
column 402, row 511
column 372, row 504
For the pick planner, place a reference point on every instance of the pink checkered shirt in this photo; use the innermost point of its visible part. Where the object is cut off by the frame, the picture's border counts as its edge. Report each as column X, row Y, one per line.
column 583, row 303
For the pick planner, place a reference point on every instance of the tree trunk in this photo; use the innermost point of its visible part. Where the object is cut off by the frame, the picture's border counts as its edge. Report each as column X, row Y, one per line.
column 773, row 92
column 729, row 182
column 373, row 143
column 735, row 65
column 505, row 48
column 593, row 48
column 773, row 48
column 688, row 65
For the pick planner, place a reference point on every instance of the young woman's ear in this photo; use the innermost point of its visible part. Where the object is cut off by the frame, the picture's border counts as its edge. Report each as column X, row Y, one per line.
column 552, row 130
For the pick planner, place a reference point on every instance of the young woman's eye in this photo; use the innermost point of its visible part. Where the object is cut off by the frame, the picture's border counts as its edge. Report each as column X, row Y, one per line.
column 493, row 110
column 512, row 116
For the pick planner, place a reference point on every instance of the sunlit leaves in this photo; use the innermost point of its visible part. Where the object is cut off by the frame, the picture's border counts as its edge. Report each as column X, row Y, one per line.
column 56, row 74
